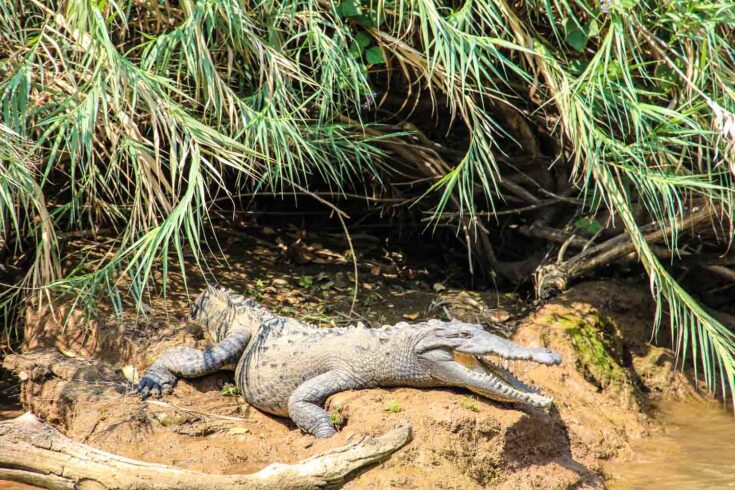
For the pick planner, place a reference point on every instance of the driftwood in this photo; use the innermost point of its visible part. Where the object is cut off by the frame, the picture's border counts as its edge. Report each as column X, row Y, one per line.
column 554, row 278
column 35, row 453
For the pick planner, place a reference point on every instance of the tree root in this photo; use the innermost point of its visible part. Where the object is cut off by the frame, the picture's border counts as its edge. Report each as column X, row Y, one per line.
column 551, row 279
column 35, row 453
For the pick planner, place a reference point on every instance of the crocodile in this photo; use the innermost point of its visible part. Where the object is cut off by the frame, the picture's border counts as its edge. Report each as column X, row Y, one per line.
column 288, row 368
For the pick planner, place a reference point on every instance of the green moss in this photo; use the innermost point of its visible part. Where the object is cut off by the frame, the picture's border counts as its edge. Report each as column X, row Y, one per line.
column 599, row 348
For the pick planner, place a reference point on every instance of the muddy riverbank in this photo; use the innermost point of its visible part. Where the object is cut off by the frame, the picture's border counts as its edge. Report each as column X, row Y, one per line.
column 77, row 373
column 603, row 393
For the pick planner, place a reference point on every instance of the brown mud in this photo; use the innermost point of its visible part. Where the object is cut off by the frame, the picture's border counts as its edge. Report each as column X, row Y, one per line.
column 77, row 374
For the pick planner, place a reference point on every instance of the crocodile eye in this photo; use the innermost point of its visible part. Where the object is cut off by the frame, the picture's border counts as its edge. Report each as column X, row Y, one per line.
column 465, row 335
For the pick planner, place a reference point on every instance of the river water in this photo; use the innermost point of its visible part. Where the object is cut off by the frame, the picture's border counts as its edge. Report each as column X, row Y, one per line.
column 695, row 449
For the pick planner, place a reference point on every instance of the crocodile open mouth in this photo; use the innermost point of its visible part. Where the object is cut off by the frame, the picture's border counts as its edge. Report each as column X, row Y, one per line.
column 488, row 377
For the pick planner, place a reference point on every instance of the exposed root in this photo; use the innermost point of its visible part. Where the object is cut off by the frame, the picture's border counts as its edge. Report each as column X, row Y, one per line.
column 552, row 279
column 36, row 453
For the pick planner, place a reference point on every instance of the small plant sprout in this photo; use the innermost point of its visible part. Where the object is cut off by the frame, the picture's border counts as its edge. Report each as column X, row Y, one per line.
column 258, row 289
column 337, row 417
column 470, row 403
column 230, row 390
column 392, row 407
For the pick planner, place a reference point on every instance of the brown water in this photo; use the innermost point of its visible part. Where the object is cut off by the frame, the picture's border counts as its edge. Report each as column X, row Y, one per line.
column 694, row 450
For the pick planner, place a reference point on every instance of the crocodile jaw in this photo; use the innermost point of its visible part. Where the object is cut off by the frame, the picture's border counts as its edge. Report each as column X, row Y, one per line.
column 521, row 391
column 487, row 378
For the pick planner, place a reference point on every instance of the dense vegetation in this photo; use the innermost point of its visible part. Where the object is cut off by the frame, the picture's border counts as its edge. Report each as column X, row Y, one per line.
column 568, row 117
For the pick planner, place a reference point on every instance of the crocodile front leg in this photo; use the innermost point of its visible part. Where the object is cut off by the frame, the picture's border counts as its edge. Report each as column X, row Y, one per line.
column 190, row 363
column 305, row 403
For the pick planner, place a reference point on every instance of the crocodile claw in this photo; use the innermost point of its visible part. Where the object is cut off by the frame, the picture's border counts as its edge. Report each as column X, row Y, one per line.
column 156, row 381
column 147, row 387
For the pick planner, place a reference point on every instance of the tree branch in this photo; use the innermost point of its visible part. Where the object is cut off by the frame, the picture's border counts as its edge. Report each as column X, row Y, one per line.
column 552, row 278
column 35, row 453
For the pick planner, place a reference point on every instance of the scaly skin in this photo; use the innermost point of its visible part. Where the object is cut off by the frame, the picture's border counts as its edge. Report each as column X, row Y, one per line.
column 289, row 368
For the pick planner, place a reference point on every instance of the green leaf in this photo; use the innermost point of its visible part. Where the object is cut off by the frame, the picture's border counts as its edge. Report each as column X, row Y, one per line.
column 363, row 39
column 32, row 40
column 614, row 70
column 369, row 19
column 375, row 56
column 590, row 225
column 593, row 29
column 576, row 37
column 666, row 77
column 355, row 49
column 577, row 66
column 349, row 8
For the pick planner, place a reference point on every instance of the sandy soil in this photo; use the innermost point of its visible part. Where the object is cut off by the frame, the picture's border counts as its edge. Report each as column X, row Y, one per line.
column 602, row 390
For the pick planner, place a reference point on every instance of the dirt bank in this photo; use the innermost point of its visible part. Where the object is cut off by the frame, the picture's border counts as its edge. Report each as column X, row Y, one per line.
column 602, row 390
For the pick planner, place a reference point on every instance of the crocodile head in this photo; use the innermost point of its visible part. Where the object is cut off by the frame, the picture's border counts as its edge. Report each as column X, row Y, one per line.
column 436, row 352
column 221, row 312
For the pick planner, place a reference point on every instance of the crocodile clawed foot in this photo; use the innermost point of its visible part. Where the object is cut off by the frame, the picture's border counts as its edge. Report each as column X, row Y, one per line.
column 156, row 381
column 147, row 387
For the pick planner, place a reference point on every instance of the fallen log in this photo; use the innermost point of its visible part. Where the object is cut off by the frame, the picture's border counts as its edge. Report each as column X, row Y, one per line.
column 551, row 279
column 35, row 453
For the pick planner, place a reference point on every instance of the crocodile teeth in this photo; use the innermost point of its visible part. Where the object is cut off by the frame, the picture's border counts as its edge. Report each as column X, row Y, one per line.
column 506, row 378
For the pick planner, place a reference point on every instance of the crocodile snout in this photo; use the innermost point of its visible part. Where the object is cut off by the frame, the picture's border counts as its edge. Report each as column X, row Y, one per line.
column 546, row 356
